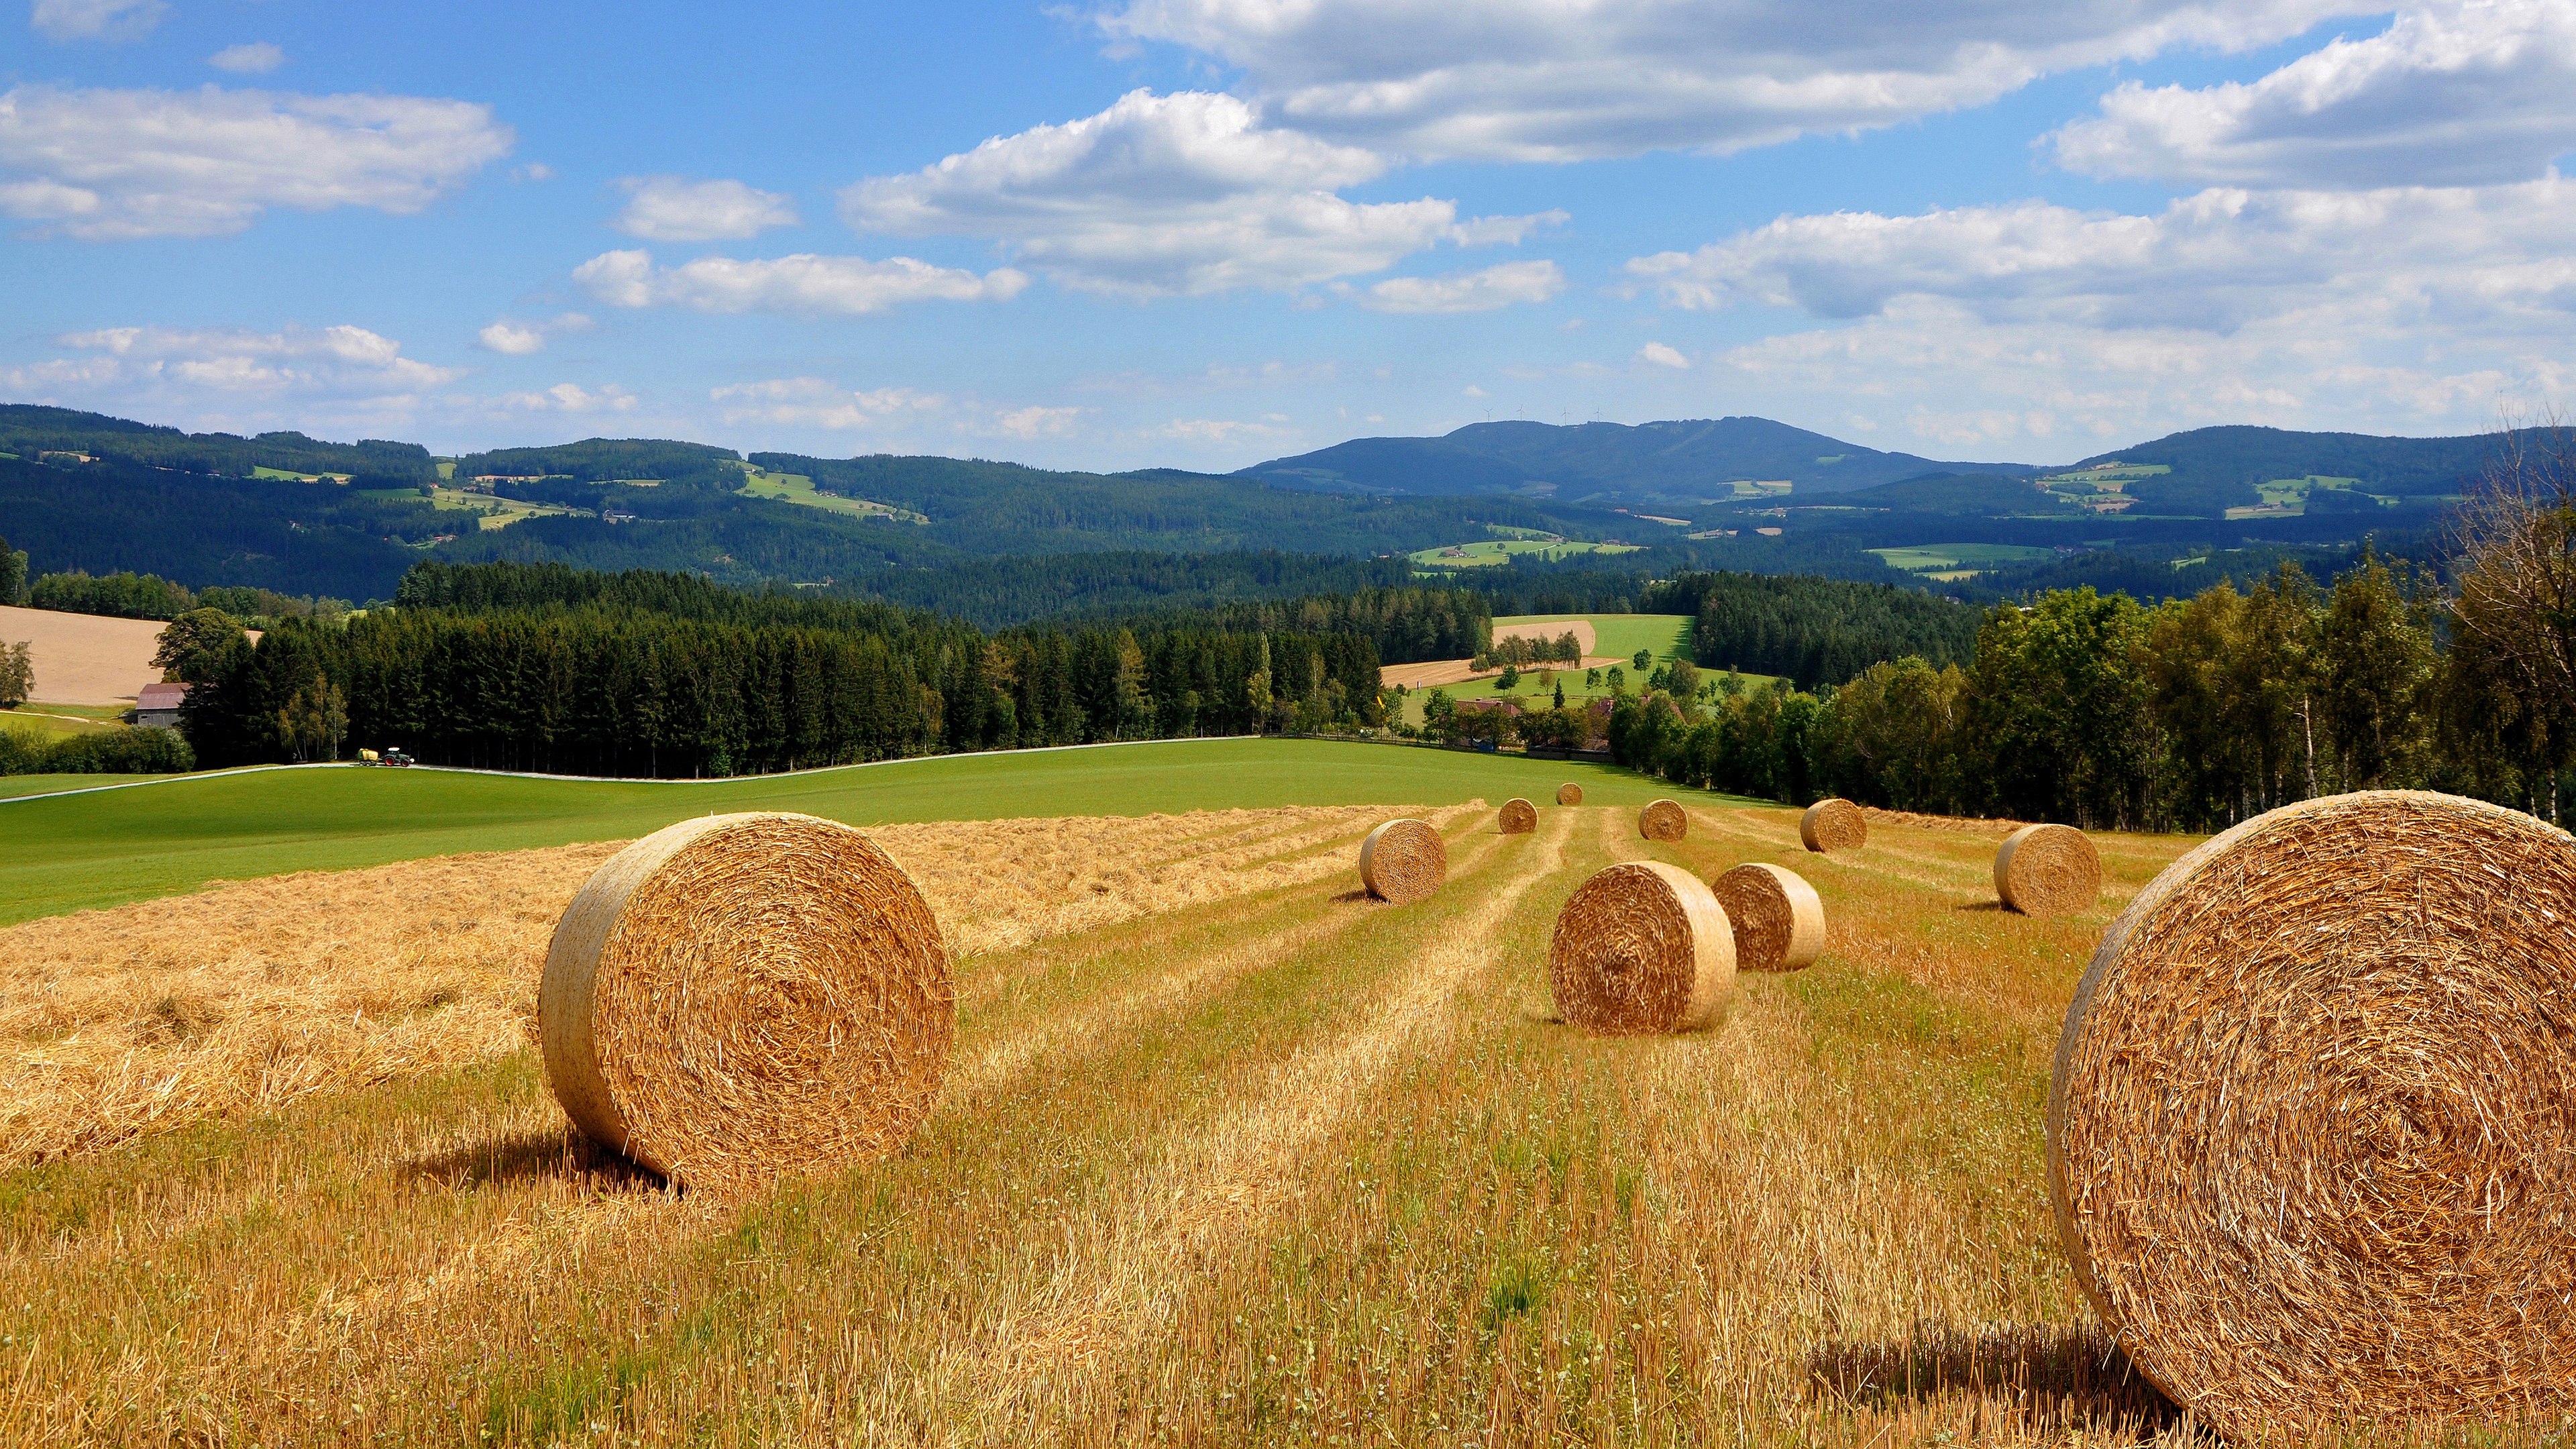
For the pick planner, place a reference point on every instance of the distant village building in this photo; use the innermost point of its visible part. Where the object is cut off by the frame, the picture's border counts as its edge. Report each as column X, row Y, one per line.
column 158, row 704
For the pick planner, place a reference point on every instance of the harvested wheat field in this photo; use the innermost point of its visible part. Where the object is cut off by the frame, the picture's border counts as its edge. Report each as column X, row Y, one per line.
column 1227, row 1154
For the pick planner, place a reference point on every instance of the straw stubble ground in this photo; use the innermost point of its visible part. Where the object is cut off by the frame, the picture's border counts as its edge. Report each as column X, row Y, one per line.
column 1282, row 1167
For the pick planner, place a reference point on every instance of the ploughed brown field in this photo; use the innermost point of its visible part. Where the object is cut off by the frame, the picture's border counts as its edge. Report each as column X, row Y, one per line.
column 1228, row 1154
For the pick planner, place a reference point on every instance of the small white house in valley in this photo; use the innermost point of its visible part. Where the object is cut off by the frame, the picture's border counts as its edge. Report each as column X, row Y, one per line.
column 158, row 704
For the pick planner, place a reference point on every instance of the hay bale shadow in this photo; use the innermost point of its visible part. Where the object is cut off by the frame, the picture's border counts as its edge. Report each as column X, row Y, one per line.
column 560, row 1154
column 2047, row 1383
column 1996, row 906
column 1360, row 894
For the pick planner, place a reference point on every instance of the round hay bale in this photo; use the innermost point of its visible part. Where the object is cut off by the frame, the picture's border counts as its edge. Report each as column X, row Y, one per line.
column 1835, row 824
column 1663, row 820
column 1641, row 948
column 1569, row 793
column 1403, row 861
column 2312, row 1125
column 2048, row 870
column 741, row 996
column 1779, row 924
column 1519, row 817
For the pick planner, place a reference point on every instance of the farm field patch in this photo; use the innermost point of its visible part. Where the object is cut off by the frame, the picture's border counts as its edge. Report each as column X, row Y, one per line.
column 1266, row 1166
column 1491, row 552
column 495, row 511
column 2288, row 497
column 85, row 658
column 1953, row 561
column 798, row 489
column 88, row 851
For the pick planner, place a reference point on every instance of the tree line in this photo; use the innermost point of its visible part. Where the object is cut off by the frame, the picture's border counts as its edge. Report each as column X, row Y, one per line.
column 714, row 685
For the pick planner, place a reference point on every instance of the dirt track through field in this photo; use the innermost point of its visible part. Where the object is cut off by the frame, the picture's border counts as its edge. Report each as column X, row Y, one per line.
column 1216, row 1179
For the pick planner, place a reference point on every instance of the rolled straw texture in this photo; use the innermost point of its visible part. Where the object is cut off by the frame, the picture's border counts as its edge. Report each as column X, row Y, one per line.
column 1663, row 820
column 2312, row 1126
column 1569, row 793
column 1519, row 817
column 1641, row 948
column 1779, row 923
column 1403, row 861
column 742, row 996
column 2048, row 870
column 1835, row 824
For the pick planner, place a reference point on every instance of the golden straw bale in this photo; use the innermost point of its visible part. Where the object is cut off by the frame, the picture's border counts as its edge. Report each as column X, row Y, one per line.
column 1403, row 861
column 741, row 996
column 2048, row 870
column 1779, row 923
column 1641, row 948
column 2312, row 1124
column 1569, row 793
column 1834, row 824
column 1663, row 820
column 1519, row 817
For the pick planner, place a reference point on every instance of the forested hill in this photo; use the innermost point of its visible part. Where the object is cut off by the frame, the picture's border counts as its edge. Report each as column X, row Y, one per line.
column 1609, row 463
column 2213, row 469
column 31, row 431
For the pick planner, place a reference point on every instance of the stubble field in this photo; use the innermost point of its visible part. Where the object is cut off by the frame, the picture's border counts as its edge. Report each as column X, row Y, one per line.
column 1228, row 1154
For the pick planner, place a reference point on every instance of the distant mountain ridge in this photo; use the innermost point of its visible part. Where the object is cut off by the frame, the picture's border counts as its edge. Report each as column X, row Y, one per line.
column 1687, row 462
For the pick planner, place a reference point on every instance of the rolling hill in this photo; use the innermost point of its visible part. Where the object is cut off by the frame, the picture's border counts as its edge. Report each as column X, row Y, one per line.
column 1685, row 462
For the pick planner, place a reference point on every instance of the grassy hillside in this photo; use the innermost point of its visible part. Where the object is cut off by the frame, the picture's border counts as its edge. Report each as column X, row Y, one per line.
column 84, row 851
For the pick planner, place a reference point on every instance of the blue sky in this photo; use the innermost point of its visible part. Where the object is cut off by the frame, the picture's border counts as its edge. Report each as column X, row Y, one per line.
column 1200, row 233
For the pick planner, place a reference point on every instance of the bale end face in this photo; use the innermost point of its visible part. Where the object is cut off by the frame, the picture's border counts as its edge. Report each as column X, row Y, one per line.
column 1835, row 824
column 1663, row 820
column 1569, row 793
column 1779, row 921
column 2312, row 1121
column 742, row 996
column 2048, row 870
column 1519, row 817
column 1403, row 861
column 1642, row 948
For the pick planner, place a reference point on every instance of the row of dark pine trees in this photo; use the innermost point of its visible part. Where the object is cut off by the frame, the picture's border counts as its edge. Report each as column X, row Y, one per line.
column 595, row 686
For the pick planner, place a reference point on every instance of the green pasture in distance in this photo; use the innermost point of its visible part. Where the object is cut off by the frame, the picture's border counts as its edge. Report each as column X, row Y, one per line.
column 799, row 489
column 1666, row 636
column 14, row 786
column 1925, row 557
column 76, row 852
column 63, row 719
column 1487, row 553
column 1535, row 690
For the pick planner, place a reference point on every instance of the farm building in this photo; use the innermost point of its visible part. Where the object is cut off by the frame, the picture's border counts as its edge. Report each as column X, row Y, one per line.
column 158, row 704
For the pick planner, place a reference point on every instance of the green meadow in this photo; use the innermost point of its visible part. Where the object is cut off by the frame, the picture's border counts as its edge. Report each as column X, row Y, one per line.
column 81, row 851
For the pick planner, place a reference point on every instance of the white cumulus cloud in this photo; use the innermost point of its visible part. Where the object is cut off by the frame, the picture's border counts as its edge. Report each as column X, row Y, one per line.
column 570, row 397
column 2465, row 93
column 1559, row 80
column 1184, row 194
column 2482, row 257
column 1480, row 291
column 1663, row 356
column 109, row 164
column 257, row 58
column 1037, row 422
column 816, row 403
column 216, row 373
column 519, row 339
column 109, row 20
column 676, row 209
column 800, row 285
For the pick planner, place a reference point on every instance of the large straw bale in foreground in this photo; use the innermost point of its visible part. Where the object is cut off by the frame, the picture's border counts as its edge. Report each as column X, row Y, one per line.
column 1569, row 793
column 2048, row 870
column 1642, row 947
column 2312, row 1129
column 1663, row 820
column 1519, row 817
column 741, row 996
column 1835, row 824
column 1779, row 923
column 1403, row 861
